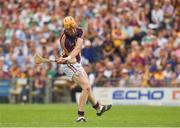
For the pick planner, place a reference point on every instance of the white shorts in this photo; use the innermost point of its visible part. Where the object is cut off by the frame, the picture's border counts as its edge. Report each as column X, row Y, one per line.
column 71, row 69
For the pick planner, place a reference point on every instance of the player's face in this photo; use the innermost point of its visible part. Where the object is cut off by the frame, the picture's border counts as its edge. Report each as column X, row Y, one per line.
column 71, row 31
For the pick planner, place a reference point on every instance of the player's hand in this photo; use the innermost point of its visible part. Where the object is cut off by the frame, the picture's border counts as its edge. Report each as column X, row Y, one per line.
column 67, row 58
column 61, row 60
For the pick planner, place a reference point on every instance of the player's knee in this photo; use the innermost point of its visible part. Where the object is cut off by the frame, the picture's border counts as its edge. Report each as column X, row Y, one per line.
column 87, row 89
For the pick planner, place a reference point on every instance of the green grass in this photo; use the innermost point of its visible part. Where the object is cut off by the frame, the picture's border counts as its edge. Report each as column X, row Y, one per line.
column 64, row 115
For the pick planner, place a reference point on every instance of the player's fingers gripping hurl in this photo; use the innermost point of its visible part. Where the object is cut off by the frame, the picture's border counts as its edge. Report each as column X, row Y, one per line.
column 61, row 61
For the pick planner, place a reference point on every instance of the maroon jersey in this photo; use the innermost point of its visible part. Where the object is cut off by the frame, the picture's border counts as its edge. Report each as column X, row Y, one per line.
column 70, row 41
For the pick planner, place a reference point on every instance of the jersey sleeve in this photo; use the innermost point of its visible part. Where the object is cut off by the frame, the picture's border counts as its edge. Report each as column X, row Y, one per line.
column 80, row 33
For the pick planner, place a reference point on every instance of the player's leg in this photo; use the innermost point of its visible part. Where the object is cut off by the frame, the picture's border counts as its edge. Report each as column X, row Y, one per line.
column 91, row 97
column 84, row 83
column 96, row 105
column 79, row 80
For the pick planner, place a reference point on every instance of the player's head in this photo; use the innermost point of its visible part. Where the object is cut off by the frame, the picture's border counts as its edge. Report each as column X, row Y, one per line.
column 70, row 25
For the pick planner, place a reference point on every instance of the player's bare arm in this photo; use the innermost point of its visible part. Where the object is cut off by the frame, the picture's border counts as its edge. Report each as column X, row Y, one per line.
column 60, row 60
column 71, row 56
column 77, row 48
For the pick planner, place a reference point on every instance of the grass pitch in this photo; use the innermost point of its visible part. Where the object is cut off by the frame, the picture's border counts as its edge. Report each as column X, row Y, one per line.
column 64, row 115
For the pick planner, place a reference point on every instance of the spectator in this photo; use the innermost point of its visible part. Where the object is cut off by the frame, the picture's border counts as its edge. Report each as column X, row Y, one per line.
column 118, row 37
column 157, row 79
column 168, row 11
column 128, row 30
column 39, row 87
column 3, row 69
column 88, row 51
column 157, row 14
column 108, row 47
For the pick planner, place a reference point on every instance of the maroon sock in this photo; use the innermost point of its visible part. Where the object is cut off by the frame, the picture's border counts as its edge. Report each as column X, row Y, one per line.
column 80, row 113
column 96, row 106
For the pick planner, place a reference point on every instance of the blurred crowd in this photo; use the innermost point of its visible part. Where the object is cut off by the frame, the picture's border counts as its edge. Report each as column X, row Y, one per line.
column 128, row 43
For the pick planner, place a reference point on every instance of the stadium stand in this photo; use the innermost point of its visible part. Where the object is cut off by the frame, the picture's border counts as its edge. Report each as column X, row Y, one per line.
column 128, row 43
